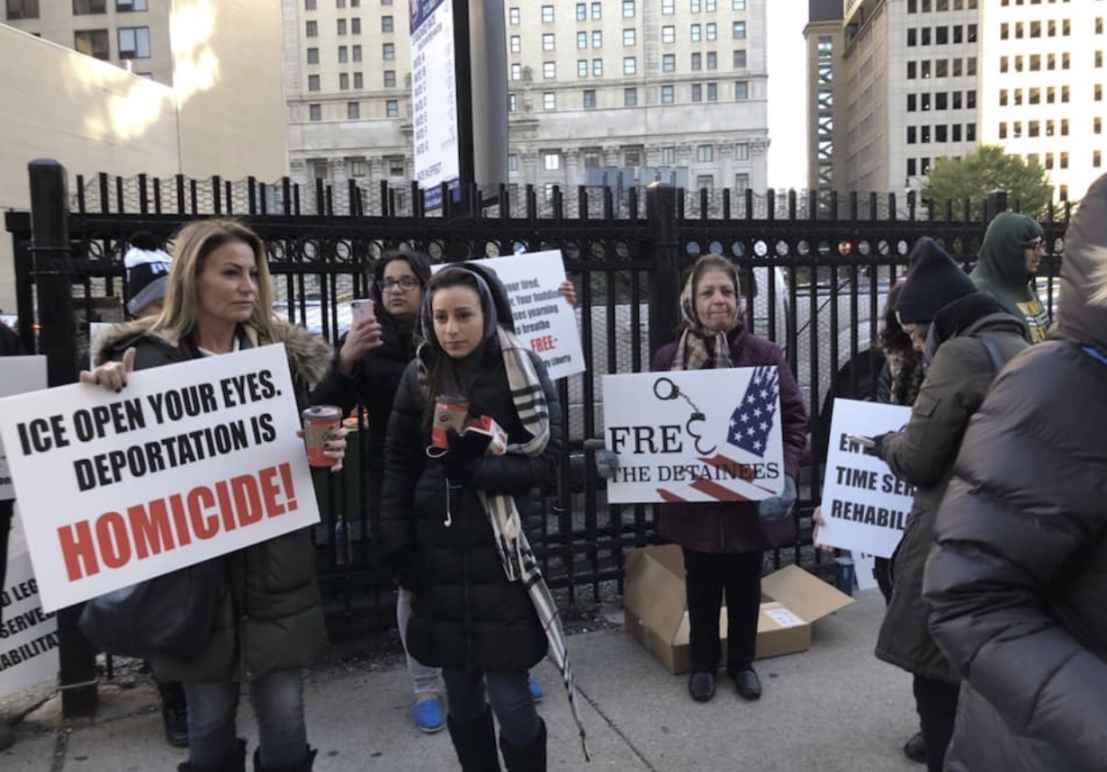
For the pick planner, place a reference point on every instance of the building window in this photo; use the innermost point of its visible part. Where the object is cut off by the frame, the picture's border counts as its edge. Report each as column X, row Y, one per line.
column 697, row 92
column 549, row 101
column 125, row 6
column 630, row 38
column 705, row 181
column 742, row 182
column 134, row 42
column 632, row 156
column 910, row 167
column 551, row 160
column 315, row 112
column 668, row 63
column 513, row 15
column 547, row 41
column 396, row 166
column 93, row 42
column 588, row 100
column 912, row 135
column 738, row 5
column 741, row 90
column 343, row 81
column 697, row 61
column 359, row 81
column 628, row 9
column 712, row 92
column 313, row 56
column 513, row 163
column 387, row 25
column 310, row 5
column 582, row 12
column 357, row 53
column 392, row 108
column 311, row 29
column 597, row 68
column 630, row 97
column 739, row 30
column 912, row 102
column 388, row 52
column 712, row 60
column 695, row 31
column 597, row 39
column 711, row 30
column 355, row 26
column 547, row 14
column 740, row 59
column 593, row 158
column 582, row 40
column 705, row 153
column 970, row 132
column 353, row 113
column 597, row 11
column 667, row 94
column 343, row 54
column 23, row 9
column 341, row 26
column 630, row 65
column 941, row 133
column 81, row 7
column 516, row 71
column 957, row 132
column 668, row 7
column 549, row 70
column 357, row 167
column 512, row 103
column 582, row 68
column 668, row 156
column 668, row 34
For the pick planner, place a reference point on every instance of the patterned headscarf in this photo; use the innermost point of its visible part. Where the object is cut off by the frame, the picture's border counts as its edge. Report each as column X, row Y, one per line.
column 694, row 350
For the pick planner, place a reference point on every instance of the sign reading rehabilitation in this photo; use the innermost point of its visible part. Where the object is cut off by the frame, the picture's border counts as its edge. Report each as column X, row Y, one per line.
column 21, row 375
column 702, row 435
column 434, row 97
column 188, row 462
column 544, row 320
column 865, row 507
column 28, row 635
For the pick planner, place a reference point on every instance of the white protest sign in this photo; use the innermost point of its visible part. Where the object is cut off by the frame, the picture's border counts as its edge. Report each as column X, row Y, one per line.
column 28, row 635
column 700, row 435
column 434, row 97
column 188, row 462
column 21, row 374
column 864, row 565
column 864, row 507
column 544, row 320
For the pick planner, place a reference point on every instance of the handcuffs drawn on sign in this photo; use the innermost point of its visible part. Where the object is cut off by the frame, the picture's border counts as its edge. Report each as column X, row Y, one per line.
column 665, row 389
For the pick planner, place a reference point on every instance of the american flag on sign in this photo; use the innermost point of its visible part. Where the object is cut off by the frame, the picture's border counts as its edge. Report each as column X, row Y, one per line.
column 752, row 420
column 751, row 425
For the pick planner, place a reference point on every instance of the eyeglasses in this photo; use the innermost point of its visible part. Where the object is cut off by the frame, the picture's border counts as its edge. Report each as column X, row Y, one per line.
column 404, row 283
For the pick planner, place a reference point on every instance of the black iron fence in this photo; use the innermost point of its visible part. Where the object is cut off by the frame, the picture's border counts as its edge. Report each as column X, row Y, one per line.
column 815, row 274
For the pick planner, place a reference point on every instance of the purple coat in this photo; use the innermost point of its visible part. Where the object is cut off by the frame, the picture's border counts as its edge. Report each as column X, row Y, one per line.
column 734, row 527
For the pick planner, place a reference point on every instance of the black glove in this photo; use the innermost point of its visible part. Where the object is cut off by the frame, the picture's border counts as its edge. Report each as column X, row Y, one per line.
column 464, row 452
column 878, row 444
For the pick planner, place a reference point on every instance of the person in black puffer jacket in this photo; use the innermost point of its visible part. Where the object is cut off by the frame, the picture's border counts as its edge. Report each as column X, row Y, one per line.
column 469, row 618
column 1017, row 581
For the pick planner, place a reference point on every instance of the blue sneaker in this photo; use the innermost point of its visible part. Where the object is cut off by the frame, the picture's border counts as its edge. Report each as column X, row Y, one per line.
column 535, row 689
column 427, row 714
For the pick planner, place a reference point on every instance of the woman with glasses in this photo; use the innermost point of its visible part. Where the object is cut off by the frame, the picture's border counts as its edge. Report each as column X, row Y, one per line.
column 1013, row 247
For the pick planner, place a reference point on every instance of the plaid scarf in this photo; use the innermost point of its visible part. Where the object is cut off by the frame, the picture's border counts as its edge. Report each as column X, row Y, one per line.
column 692, row 351
column 515, row 552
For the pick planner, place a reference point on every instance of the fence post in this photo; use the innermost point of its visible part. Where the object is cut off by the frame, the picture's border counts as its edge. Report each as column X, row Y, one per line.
column 665, row 283
column 58, row 341
column 997, row 202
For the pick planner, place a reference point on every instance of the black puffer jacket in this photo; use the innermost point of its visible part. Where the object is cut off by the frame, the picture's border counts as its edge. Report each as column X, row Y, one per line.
column 1018, row 580
column 466, row 613
column 272, row 617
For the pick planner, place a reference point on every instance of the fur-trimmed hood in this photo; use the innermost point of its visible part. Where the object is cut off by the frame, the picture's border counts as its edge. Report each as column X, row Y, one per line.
column 1082, row 312
column 309, row 355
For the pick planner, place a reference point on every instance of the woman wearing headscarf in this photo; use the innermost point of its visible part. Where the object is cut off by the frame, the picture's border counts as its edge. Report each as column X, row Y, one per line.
column 482, row 611
column 724, row 543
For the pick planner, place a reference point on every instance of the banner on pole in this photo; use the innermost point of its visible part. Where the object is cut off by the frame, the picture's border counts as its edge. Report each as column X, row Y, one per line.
column 188, row 462
column 864, row 507
column 701, row 435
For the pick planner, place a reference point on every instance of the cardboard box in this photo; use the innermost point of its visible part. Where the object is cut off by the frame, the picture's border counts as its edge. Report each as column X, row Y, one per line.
column 657, row 613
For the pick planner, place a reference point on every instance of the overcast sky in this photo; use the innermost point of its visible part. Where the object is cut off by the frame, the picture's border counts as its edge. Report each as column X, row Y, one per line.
column 787, row 94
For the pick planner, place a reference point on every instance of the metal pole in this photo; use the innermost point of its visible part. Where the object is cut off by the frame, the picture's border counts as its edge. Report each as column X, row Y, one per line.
column 665, row 281
column 58, row 341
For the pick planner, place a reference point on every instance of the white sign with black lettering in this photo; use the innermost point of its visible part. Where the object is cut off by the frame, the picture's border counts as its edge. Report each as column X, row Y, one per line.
column 434, row 97
column 21, row 374
column 28, row 635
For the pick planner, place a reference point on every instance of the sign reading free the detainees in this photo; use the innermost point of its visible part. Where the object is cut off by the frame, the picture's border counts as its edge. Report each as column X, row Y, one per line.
column 698, row 436
column 188, row 462
column 544, row 320
column 864, row 507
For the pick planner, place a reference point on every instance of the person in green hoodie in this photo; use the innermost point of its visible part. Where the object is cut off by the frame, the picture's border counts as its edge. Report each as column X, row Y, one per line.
column 1008, row 260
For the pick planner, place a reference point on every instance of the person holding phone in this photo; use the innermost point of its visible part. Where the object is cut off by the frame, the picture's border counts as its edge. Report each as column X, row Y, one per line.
column 966, row 337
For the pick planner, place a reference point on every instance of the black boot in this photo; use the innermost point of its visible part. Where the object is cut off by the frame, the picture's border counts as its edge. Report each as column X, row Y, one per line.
column 530, row 757
column 174, row 713
column 475, row 743
column 234, row 762
column 303, row 766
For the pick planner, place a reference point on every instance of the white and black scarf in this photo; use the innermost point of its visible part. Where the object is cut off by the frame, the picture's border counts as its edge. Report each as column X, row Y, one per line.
column 693, row 350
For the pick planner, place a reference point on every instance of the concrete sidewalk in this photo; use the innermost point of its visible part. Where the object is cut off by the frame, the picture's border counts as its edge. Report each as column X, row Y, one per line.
column 832, row 708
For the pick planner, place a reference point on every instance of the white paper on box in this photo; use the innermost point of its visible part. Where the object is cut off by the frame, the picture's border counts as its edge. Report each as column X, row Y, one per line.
column 784, row 617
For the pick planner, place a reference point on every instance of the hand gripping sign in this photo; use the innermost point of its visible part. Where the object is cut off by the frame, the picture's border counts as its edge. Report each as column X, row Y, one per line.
column 188, row 462
column 705, row 435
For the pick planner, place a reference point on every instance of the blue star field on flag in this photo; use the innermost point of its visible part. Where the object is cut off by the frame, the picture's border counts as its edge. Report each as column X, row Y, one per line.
column 752, row 420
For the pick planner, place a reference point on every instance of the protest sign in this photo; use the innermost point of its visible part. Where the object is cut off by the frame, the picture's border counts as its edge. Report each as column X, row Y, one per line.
column 28, row 635
column 544, row 320
column 188, row 462
column 21, row 374
column 865, row 507
column 701, row 435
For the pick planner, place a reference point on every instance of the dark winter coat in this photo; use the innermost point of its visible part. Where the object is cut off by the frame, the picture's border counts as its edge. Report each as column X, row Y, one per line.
column 957, row 379
column 271, row 617
column 1018, row 578
column 1001, row 270
column 735, row 527
column 466, row 613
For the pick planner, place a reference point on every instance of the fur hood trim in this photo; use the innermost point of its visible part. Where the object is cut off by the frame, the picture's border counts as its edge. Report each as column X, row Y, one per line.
column 309, row 355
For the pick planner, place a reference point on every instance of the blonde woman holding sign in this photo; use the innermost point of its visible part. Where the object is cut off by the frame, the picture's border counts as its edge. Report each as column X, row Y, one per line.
column 724, row 542
column 269, row 624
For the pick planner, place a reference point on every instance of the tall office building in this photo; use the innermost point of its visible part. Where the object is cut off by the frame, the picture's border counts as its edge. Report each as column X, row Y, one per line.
column 825, row 122
column 133, row 34
column 611, row 90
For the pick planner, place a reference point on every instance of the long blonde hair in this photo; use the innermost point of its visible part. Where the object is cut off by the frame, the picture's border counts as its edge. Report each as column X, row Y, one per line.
column 191, row 245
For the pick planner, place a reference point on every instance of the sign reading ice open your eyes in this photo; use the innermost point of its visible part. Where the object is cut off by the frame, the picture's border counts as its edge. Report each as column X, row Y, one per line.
column 434, row 97
column 544, row 320
column 188, row 462
column 697, row 436
column 21, row 374
column 865, row 507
